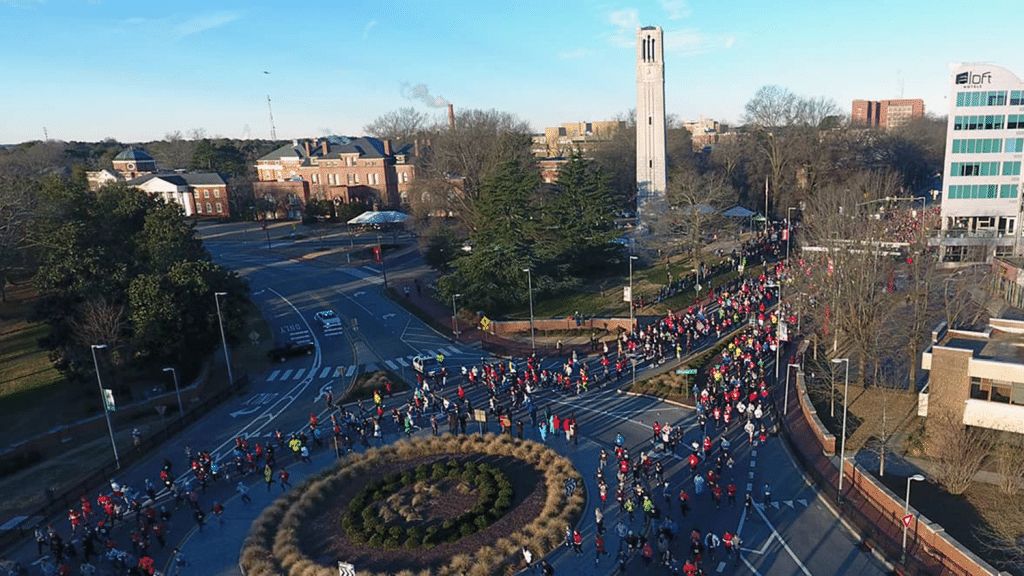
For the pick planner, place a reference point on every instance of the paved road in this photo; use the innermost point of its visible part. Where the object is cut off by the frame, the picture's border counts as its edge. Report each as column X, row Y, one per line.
column 797, row 534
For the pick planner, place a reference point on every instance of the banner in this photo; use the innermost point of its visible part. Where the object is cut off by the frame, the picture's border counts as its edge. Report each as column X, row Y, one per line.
column 108, row 399
column 627, row 294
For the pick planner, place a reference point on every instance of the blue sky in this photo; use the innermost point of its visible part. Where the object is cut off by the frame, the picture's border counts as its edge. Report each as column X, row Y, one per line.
column 134, row 71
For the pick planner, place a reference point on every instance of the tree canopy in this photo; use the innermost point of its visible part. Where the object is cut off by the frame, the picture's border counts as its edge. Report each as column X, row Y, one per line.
column 123, row 268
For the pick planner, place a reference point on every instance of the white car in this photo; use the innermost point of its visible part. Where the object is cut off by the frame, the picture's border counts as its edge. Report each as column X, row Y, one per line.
column 328, row 319
column 426, row 365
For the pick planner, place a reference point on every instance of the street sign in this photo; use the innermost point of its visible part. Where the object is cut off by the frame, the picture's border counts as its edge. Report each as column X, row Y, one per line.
column 161, row 409
column 485, row 324
column 346, row 569
column 108, row 399
column 908, row 519
column 480, row 415
column 686, row 371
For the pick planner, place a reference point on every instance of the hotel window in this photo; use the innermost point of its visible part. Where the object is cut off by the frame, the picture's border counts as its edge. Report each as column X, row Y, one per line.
column 209, row 208
column 1011, row 168
column 219, row 208
column 1014, row 145
column 1015, row 122
column 357, row 178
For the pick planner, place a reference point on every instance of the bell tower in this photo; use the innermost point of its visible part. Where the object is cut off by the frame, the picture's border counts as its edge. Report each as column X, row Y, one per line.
column 651, row 177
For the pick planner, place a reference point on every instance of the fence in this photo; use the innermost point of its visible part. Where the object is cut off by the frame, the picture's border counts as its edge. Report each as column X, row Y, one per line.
column 866, row 505
column 71, row 497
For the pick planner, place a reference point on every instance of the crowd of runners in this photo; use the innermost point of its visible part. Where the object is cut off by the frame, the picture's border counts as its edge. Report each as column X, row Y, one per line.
column 731, row 405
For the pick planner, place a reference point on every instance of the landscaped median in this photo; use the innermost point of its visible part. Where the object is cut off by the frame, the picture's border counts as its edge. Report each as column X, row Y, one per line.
column 446, row 505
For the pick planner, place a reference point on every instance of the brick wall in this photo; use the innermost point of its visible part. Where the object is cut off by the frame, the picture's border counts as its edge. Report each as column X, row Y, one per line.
column 568, row 323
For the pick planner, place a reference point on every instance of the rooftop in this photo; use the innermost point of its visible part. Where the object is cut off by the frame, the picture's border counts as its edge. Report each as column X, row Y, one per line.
column 136, row 154
column 1002, row 341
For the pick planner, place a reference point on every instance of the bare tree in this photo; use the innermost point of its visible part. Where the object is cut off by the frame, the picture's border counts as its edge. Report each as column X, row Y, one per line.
column 197, row 134
column 1010, row 465
column 402, row 125
column 100, row 320
column 459, row 159
column 960, row 293
column 177, row 151
column 690, row 212
column 960, row 450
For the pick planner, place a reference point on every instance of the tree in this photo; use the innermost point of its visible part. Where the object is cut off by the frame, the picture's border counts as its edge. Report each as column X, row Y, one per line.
column 491, row 276
column 1010, row 465
column 579, row 215
column 441, row 247
column 960, row 450
column 17, row 208
column 689, row 212
column 124, row 268
column 784, row 127
column 176, row 151
column 402, row 125
column 617, row 159
column 458, row 160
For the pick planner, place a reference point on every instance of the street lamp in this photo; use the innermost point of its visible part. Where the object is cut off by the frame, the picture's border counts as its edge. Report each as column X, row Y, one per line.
column 842, row 441
column 455, row 315
column 181, row 409
column 789, row 229
column 631, row 299
column 529, row 289
column 785, row 403
column 223, row 339
column 778, row 328
column 906, row 510
column 103, row 398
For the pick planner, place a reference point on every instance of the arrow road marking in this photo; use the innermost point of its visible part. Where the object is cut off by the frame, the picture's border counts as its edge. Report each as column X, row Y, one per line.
column 360, row 293
column 323, row 391
column 387, row 316
column 246, row 411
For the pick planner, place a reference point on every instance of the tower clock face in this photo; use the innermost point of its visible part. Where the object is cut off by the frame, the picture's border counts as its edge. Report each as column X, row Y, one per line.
column 131, row 166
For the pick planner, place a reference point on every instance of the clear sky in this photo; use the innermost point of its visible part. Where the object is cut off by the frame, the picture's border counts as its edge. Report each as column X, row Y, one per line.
column 134, row 71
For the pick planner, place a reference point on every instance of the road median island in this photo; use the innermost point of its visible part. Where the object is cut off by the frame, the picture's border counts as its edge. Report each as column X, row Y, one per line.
column 443, row 505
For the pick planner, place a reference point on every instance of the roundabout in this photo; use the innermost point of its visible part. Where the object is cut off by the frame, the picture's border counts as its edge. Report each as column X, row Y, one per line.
column 434, row 505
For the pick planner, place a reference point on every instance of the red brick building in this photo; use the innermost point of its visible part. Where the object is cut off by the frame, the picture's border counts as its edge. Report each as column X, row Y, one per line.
column 343, row 170
column 886, row 113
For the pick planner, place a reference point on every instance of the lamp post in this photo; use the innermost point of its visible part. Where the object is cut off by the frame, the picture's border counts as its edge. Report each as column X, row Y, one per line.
column 631, row 320
column 223, row 339
column 789, row 228
column 906, row 510
column 842, row 440
column 529, row 289
column 103, row 398
column 181, row 408
column 455, row 316
column 785, row 403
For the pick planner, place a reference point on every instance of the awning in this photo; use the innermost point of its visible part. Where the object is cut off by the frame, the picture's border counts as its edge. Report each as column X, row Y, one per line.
column 739, row 212
column 385, row 217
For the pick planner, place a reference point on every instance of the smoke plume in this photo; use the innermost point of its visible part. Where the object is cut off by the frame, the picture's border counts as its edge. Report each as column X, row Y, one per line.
column 421, row 92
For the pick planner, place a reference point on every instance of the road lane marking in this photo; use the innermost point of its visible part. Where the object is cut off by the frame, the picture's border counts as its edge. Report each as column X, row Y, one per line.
column 298, row 374
column 391, row 364
column 351, row 370
column 273, row 375
column 286, row 374
column 402, row 362
column 325, row 371
column 338, row 371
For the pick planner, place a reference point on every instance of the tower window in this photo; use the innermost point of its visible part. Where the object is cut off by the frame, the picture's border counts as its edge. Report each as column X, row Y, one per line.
column 650, row 120
column 650, row 163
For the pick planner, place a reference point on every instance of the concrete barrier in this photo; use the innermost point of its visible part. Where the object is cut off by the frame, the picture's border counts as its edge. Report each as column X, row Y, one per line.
column 825, row 438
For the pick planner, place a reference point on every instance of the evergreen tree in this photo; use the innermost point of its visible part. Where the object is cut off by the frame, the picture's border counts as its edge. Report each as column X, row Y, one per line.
column 579, row 216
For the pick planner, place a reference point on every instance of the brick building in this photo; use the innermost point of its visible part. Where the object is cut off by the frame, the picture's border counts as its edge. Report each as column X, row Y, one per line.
column 199, row 193
column 886, row 113
column 339, row 169
column 976, row 377
column 565, row 139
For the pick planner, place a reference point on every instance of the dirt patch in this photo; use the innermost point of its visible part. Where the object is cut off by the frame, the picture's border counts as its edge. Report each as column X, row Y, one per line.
column 324, row 541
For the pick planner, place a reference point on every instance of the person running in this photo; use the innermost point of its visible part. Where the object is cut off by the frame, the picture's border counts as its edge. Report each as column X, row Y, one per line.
column 283, row 476
column 243, row 491
column 268, row 475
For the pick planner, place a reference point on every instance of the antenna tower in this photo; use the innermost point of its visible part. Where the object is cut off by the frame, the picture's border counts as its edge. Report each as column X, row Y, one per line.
column 46, row 137
column 273, row 131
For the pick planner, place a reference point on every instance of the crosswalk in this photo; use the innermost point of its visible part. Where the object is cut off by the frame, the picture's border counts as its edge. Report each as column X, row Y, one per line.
column 348, row 371
column 333, row 331
column 300, row 336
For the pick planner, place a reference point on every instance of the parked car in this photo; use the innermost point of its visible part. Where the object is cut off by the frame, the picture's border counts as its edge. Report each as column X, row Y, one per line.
column 426, row 365
column 283, row 352
column 328, row 319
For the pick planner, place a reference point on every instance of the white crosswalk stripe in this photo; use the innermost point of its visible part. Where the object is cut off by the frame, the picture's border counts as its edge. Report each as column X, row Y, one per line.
column 453, row 350
column 371, row 269
column 372, row 367
column 351, row 370
column 273, row 375
column 299, row 373
column 391, row 364
column 325, row 371
column 286, row 374
column 402, row 361
column 338, row 371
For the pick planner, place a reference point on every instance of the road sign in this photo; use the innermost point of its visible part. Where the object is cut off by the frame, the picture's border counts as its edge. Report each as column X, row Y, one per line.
column 161, row 409
column 346, row 569
column 908, row 519
column 480, row 415
column 108, row 399
column 686, row 371
column 485, row 324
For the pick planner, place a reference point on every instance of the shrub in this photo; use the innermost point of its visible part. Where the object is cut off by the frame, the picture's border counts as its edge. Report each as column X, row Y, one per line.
column 376, row 541
column 391, row 544
column 467, row 529
column 482, row 522
column 396, row 532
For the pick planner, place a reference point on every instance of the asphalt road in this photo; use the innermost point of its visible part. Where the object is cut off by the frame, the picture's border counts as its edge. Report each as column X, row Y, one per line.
column 797, row 534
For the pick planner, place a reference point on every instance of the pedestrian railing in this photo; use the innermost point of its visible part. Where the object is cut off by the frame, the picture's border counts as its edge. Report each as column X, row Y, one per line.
column 59, row 503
